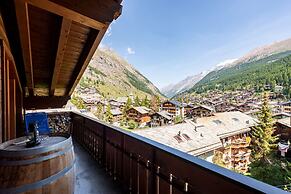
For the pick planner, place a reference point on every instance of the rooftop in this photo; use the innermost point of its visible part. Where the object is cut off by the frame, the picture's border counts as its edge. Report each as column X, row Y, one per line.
column 204, row 134
column 201, row 139
column 227, row 123
column 142, row 109
column 285, row 121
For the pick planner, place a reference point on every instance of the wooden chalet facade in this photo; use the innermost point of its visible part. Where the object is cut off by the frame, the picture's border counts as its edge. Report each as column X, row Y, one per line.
column 283, row 128
column 117, row 115
column 236, row 152
column 174, row 108
column 139, row 114
column 222, row 106
column 160, row 119
column 202, row 111
column 286, row 107
column 188, row 110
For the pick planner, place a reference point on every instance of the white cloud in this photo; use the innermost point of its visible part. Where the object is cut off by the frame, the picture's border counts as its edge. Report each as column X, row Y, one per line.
column 223, row 64
column 130, row 51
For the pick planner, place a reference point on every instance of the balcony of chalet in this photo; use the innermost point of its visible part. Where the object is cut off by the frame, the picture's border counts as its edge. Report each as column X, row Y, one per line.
column 45, row 46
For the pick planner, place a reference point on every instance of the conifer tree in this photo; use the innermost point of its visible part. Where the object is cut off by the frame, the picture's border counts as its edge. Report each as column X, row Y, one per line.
column 145, row 102
column 108, row 114
column 262, row 135
column 154, row 104
column 127, row 106
column 136, row 101
column 99, row 111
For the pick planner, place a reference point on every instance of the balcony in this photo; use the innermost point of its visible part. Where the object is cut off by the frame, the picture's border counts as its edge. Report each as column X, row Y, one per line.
column 40, row 68
column 123, row 162
column 90, row 178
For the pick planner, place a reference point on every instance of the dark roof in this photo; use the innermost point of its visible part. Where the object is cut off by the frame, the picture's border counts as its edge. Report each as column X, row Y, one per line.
column 164, row 114
column 286, row 103
column 176, row 103
column 205, row 107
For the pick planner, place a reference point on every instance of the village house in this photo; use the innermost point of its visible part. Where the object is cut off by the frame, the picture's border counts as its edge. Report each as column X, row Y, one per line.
column 283, row 128
column 208, row 102
column 96, row 104
column 139, row 114
column 117, row 115
column 243, row 107
column 122, row 100
column 221, row 106
column 188, row 110
column 160, row 119
column 174, row 108
column 281, row 115
column 202, row 111
column 115, row 104
column 286, row 107
column 226, row 133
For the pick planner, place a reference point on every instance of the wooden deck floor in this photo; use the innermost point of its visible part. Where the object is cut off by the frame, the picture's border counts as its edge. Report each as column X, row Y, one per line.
column 90, row 177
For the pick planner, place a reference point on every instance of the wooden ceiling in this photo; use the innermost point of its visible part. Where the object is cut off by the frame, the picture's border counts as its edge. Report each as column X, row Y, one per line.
column 57, row 39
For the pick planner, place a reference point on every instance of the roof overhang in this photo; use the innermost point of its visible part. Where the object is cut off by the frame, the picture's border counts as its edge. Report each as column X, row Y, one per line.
column 52, row 41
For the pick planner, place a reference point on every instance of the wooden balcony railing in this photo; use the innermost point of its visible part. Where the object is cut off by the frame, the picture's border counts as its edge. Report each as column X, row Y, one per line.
column 145, row 166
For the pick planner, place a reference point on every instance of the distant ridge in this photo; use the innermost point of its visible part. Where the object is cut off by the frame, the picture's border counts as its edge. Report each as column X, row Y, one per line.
column 186, row 84
column 112, row 76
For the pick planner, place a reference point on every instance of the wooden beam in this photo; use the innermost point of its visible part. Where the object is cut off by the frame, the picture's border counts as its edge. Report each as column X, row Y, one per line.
column 2, row 94
column 3, row 33
column 24, row 33
column 66, row 13
column 10, row 56
column 12, row 108
column 44, row 102
column 89, row 49
column 63, row 38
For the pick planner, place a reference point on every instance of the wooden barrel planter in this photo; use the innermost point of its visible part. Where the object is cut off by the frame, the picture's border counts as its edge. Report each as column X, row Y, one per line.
column 46, row 168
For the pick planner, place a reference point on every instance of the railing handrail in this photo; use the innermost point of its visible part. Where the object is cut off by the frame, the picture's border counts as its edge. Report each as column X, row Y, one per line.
column 246, row 181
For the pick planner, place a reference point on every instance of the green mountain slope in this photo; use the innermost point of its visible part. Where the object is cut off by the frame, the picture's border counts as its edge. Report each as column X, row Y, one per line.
column 273, row 69
column 112, row 76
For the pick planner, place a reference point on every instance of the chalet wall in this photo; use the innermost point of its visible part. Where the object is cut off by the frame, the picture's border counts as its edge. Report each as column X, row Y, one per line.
column 11, row 117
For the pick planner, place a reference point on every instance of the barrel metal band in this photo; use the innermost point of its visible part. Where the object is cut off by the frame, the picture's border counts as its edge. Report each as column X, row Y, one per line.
column 34, row 160
column 39, row 184
column 12, row 153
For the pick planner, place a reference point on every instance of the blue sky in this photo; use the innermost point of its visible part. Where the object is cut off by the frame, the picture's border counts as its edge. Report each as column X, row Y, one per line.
column 168, row 40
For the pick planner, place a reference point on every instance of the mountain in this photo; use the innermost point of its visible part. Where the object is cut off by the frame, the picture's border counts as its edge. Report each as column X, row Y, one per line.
column 265, row 51
column 254, row 68
column 112, row 76
column 174, row 89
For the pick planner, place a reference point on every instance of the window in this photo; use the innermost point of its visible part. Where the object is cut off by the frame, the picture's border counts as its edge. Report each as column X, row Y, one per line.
column 235, row 119
column 186, row 136
column 178, row 138
column 218, row 122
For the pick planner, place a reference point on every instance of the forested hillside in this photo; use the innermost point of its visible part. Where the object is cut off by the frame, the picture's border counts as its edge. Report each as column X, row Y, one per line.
column 272, row 70
column 112, row 76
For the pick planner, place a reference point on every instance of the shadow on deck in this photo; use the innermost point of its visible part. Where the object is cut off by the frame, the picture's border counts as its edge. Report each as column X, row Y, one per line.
column 90, row 177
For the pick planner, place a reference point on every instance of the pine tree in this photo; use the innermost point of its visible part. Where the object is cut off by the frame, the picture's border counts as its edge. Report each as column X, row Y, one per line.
column 136, row 101
column 99, row 111
column 78, row 102
column 108, row 114
column 127, row 106
column 262, row 135
column 145, row 102
column 154, row 104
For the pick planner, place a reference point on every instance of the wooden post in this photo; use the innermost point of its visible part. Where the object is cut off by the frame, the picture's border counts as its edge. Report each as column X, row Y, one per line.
column 1, row 90
column 12, row 107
